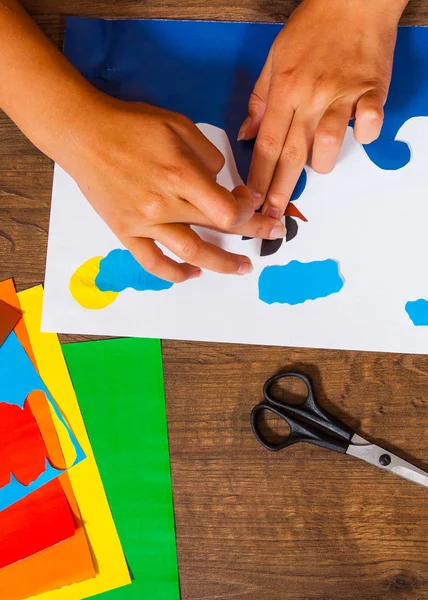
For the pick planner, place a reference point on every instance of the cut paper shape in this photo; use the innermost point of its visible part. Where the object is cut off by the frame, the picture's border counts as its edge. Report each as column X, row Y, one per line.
column 83, row 287
column 85, row 480
column 119, row 270
column 8, row 295
column 23, row 453
column 293, row 211
column 67, row 562
column 407, row 98
column 52, row 430
column 48, row 521
column 292, row 229
column 269, row 247
column 9, row 317
column 297, row 282
column 130, row 440
column 418, row 312
column 97, row 282
column 300, row 186
column 18, row 378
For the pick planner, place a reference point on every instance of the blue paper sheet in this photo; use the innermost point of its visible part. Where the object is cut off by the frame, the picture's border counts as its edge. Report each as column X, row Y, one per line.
column 209, row 70
column 18, row 378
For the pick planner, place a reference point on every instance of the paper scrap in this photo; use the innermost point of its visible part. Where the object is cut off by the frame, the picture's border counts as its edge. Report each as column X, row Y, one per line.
column 9, row 317
column 112, row 569
column 23, row 453
column 119, row 384
column 41, row 410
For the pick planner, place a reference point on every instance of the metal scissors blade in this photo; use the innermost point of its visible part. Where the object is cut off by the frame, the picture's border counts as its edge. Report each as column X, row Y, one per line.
column 379, row 457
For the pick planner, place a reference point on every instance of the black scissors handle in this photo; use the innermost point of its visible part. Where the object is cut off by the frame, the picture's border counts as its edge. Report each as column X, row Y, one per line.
column 308, row 422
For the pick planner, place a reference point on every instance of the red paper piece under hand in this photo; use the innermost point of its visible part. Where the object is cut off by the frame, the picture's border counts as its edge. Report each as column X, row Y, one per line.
column 9, row 317
column 22, row 450
column 38, row 521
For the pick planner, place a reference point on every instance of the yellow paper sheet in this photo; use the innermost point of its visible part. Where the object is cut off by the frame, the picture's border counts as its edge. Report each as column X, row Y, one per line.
column 112, row 570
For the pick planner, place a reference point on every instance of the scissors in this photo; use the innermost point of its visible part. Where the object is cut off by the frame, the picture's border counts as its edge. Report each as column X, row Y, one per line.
column 309, row 422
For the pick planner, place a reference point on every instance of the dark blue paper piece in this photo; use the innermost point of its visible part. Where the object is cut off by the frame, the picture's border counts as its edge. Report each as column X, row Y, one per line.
column 207, row 70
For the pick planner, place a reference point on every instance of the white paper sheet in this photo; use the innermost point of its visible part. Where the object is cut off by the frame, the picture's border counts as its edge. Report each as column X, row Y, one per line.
column 371, row 221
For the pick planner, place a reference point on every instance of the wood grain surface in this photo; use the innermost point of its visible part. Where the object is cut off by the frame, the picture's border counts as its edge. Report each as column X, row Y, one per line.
column 251, row 525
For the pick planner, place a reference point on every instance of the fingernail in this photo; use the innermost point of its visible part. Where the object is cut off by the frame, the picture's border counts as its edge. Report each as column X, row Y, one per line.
column 257, row 198
column 278, row 231
column 195, row 274
column 273, row 212
column 245, row 268
column 244, row 128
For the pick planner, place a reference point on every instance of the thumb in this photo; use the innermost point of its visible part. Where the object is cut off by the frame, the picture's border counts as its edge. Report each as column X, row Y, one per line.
column 257, row 103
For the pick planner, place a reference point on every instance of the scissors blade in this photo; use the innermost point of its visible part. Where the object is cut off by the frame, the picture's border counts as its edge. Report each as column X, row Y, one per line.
column 379, row 457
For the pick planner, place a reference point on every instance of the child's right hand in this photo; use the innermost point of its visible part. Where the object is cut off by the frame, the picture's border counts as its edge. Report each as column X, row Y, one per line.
column 150, row 174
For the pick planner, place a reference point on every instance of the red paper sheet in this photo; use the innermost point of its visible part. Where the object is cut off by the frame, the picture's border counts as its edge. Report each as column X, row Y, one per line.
column 38, row 521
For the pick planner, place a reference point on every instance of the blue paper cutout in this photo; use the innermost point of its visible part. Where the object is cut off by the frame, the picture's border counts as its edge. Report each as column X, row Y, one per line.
column 418, row 312
column 209, row 69
column 119, row 270
column 407, row 97
column 300, row 186
column 297, row 282
column 18, row 378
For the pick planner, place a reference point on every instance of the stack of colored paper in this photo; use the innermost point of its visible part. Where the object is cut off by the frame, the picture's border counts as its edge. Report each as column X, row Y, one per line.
column 58, row 539
column 57, row 535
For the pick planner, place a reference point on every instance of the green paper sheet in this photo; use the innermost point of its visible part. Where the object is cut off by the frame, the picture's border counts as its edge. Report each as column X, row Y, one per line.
column 119, row 385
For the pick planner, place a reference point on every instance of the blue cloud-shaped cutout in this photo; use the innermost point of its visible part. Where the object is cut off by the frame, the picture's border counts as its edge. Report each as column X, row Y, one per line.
column 119, row 270
column 297, row 282
column 418, row 311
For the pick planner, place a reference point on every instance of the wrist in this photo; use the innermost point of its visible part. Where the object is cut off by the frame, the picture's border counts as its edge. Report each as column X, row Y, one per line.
column 65, row 131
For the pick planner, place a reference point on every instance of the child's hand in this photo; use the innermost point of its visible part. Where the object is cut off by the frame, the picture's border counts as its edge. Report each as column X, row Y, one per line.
column 331, row 62
column 150, row 174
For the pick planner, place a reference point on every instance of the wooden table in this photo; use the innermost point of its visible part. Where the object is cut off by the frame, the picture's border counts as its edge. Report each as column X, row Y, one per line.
column 251, row 525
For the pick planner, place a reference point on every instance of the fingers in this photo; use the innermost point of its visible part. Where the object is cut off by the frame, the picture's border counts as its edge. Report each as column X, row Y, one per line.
column 187, row 245
column 257, row 103
column 329, row 137
column 224, row 209
column 268, row 148
column 291, row 161
column 152, row 259
column 261, row 226
column 368, row 118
